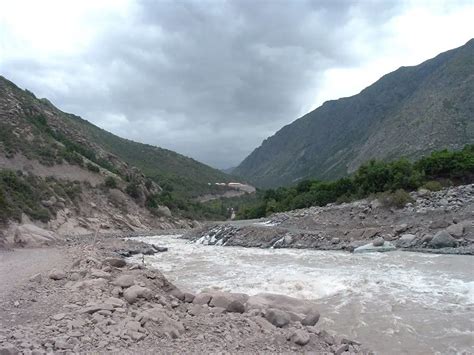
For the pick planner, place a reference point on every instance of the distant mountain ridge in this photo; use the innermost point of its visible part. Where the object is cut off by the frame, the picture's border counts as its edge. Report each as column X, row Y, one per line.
column 409, row 112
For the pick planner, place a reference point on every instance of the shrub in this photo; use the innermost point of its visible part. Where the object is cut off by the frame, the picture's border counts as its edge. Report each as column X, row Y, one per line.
column 133, row 190
column 110, row 182
column 397, row 199
column 92, row 167
column 433, row 185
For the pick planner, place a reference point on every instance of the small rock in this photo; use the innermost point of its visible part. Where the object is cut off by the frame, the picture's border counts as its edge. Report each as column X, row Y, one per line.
column 311, row 319
column 97, row 307
column 441, row 223
column 177, row 294
column 378, row 242
column 16, row 304
column 300, row 337
column 56, row 274
column 401, row 228
column 36, row 278
column 115, row 302
column 405, row 240
column 100, row 274
column 202, row 298
column 277, row 318
column 62, row 344
column 116, row 262
column 58, row 316
column 124, row 281
column 132, row 293
column 133, row 326
column 235, row 307
column 75, row 276
column 188, row 297
column 341, row 349
column 456, row 230
column 427, row 238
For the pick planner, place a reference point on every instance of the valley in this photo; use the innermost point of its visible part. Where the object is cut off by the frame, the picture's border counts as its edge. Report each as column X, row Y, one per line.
column 350, row 230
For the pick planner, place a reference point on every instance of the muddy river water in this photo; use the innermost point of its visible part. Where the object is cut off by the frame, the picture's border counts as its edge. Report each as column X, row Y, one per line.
column 394, row 303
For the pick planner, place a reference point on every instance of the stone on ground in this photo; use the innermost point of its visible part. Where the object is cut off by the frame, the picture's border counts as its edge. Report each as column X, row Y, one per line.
column 300, row 337
column 311, row 319
column 278, row 318
column 56, row 274
column 443, row 239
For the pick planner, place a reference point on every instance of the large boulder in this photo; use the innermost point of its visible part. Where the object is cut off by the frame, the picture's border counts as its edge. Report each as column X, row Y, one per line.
column 29, row 235
column 443, row 239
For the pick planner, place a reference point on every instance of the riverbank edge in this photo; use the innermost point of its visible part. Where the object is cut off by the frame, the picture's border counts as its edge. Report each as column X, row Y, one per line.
column 85, row 306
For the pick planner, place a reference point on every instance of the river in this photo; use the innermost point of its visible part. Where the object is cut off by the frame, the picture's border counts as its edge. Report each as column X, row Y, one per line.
column 394, row 303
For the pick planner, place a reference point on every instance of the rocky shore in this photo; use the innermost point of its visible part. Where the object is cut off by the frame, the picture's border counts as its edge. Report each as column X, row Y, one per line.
column 436, row 222
column 82, row 295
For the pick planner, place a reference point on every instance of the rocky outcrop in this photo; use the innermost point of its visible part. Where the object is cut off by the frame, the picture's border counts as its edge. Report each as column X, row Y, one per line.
column 29, row 235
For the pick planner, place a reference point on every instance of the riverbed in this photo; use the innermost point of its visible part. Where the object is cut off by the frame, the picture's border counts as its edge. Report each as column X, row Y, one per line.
column 394, row 303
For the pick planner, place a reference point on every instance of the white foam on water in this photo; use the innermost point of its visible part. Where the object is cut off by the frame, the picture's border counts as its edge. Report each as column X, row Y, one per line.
column 266, row 224
column 415, row 298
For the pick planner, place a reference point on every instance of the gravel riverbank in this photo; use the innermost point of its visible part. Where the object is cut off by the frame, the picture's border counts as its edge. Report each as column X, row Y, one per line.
column 82, row 296
column 437, row 222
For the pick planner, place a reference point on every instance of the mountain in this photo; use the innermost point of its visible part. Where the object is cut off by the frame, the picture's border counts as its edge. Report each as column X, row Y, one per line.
column 409, row 112
column 61, row 170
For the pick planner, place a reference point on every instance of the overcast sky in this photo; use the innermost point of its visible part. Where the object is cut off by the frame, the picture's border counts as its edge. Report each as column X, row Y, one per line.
column 212, row 79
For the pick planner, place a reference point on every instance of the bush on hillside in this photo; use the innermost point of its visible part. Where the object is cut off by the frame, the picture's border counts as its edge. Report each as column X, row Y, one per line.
column 433, row 185
column 397, row 199
column 110, row 182
column 92, row 167
column 441, row 168
column 133, row 190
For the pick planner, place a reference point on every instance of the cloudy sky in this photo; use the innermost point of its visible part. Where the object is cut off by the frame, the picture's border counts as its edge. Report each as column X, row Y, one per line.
column 212, row 79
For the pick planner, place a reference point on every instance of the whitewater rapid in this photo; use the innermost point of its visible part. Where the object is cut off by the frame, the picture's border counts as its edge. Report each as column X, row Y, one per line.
column 394, row 303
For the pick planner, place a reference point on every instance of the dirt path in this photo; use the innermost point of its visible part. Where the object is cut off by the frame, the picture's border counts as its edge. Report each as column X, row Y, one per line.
column 16, row 267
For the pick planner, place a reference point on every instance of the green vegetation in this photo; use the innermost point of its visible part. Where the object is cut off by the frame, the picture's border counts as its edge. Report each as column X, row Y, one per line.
column 92, row 167
column 20, row 193
column 133, row 190
column 389, row 181
column 433, row 185
column 183, row 177
column 110, row 182
column 397, row 199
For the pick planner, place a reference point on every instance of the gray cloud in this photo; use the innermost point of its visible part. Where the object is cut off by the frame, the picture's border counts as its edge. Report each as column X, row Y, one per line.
column 209, row 79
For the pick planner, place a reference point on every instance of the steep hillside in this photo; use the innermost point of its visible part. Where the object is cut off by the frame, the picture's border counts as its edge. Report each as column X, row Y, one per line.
column 63, row 171
column 171, row 170
column 409, row 112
